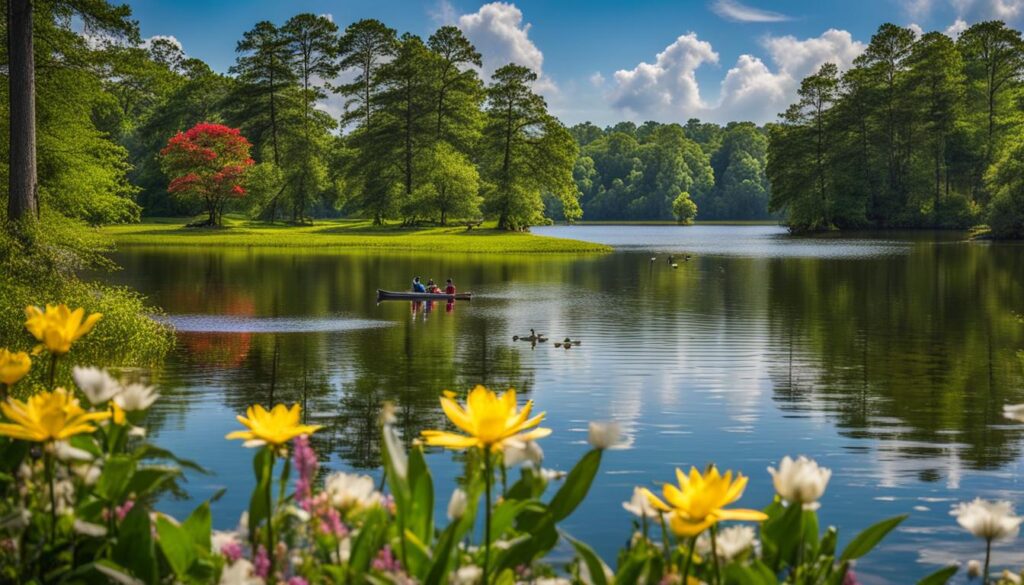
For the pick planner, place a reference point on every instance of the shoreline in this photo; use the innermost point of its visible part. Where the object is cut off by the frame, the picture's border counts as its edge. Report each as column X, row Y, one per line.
column 345, row 234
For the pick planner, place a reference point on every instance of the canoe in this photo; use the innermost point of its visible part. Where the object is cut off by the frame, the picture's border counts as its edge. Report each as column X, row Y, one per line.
column 387, row 295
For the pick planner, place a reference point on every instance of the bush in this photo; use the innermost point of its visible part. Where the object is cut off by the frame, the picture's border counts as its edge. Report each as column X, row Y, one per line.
column 1006, row 215
column 684, row 209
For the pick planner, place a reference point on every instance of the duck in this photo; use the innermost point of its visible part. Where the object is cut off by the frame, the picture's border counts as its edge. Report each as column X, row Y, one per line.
column 558, row 344
column 674, row 265
column 533, row 337
column 568, row 341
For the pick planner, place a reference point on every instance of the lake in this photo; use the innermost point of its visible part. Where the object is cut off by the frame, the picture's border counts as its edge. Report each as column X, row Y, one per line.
column 887, row 358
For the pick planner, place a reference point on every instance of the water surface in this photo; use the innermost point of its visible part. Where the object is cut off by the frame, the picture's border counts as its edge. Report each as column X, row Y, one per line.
column 885, row 357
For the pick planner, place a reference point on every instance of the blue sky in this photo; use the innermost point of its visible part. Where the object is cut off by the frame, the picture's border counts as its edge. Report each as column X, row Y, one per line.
column 605, row 61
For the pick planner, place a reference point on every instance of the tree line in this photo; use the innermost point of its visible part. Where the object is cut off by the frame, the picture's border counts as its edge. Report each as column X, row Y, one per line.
column 659, row 171
column 922, row 131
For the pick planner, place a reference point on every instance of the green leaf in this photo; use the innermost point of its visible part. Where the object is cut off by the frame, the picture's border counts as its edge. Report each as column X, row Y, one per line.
column 134, row 548
column 370, row 539
column 870, row 537
column 147, row 480
column 755, row 574
column 262, row 468
column 177, row 546
column 115, row 573
column 147, row 451
column 782, row 534
column 199, row 526
column 117, row 472
column 940, row 577
column 506, row 513
column 421, row 504
column 450, row 537
column 576, row 486
column 596, row 568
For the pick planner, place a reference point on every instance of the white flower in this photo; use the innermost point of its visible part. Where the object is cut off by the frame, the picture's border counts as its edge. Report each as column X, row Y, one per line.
column 730, row 542
column 1011, row 577
column 800, row 481
column 603, row 435
column 639, row 505
column 348, row 490
column 457, row 504
column 89, row 474
column 973, row 568
column 239, row 573
column 136, row 397
column 468, row 575
column 68, row 454
column 97, row 385
column 137, row 432
column 518, row 452
column 548, row 581
column 552, row 474
column 89, row 529
column 988, row 520
column 1014, row 412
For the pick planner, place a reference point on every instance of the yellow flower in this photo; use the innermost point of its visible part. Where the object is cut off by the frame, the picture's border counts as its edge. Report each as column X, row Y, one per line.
column 488, row 420
column 276, row 426
column 117, row 413
column 700, row 501
column 13, row 366
column 47, row 416
column 58, row 327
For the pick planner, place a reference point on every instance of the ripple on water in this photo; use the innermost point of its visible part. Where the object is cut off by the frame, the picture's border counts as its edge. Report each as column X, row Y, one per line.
column 236, row 324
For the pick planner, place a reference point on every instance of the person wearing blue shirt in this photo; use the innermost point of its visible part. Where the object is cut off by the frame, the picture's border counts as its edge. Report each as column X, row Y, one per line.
column 417, row 286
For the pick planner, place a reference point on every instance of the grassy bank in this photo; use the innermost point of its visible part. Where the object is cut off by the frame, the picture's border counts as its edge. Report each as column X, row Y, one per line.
column 672, row 222
column 350, row 234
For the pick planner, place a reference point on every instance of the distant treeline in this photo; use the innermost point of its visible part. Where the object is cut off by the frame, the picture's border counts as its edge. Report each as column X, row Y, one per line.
column 626, row 172
column 923, row 131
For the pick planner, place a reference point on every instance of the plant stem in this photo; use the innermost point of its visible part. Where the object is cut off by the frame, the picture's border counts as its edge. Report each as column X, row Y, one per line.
column 3, row 391
column 988, row 557
column 714, row 555
column 664, row 542
column 270, row 512
column 48, row 466
column 488, row 479
column 53, row 369
column 689, row 558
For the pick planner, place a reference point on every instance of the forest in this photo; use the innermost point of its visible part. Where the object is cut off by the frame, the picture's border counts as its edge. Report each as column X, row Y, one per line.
column 923, row 131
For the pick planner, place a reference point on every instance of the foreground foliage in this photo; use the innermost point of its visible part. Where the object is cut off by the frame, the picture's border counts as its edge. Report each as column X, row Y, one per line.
column 80, row 483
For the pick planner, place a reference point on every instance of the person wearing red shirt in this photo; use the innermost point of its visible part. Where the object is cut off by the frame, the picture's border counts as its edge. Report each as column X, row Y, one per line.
column 450, row 288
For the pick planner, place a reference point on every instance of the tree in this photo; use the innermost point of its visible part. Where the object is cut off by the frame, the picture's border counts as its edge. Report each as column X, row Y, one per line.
column 458, row 88
column 993, row 61
column 313, row 44
column 364, row 47
column 525, row 150
column 799, row 156
column 684, row 209
column 208, row 162
column 450, row 186
column 264, row 75
column 936, row 81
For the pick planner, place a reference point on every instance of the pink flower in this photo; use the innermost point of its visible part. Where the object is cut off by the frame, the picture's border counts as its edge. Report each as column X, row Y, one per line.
column 232, row 551
column 386, row 561
column 297, row 581
column 304, row 460
column 330, row 523
column 121, row 511
column 261, row 564
column 850, row 578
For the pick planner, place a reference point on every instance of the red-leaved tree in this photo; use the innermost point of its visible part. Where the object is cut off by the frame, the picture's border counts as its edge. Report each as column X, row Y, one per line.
column 207, row 163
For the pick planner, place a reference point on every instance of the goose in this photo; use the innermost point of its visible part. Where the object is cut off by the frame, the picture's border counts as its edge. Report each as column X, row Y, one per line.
column 558, row 344
column 569, row 341
column 532, row 337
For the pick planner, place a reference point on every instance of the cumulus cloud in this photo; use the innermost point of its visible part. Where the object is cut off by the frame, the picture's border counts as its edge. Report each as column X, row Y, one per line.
column 148, row 42
column 596, row 79
column 958, row 26
column 499, row 33
column 668, row 86
column 751, row 90
column 739, row 12
column 968, row 10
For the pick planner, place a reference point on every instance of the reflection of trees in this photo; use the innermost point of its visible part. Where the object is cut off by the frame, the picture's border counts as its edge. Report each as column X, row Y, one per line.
column 914, row 349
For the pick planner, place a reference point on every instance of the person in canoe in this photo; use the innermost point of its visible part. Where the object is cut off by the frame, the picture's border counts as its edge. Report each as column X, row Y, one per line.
column 449, row 288
column 417, row 286
column 432, row 287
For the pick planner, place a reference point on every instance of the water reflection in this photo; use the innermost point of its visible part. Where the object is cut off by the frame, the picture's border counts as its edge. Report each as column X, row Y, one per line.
column 888, row 360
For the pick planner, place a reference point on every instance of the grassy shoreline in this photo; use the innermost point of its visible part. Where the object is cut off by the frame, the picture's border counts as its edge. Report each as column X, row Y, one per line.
column 345, row 234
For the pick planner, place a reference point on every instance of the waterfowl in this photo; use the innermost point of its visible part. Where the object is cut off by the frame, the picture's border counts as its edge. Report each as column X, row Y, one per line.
column 687, row 257
column 674, row 265
column 532, row 337
column 568, row 341
column 558, row 344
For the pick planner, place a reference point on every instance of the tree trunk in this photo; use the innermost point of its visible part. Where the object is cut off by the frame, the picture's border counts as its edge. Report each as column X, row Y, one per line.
column 23, row 198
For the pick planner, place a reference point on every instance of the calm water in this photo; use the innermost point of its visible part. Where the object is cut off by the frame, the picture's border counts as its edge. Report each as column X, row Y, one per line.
column 886, row 358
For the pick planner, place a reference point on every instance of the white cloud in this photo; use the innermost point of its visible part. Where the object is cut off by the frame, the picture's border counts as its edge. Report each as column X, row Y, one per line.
column 148, row 42
column 739, row 12
column 958, row 26
column 917, row 29
column 667, row 90
column 328, row 16
column 668, row 87
column 596, row 79
column 969, row 10
column 443, row 13
column 499, row 33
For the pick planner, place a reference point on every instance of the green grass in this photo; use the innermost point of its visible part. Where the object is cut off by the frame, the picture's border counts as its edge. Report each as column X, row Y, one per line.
column 345, row 234
column 671, row 222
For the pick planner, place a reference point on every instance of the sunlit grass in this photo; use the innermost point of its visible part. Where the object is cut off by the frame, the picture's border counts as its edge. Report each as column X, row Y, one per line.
column 350, row 234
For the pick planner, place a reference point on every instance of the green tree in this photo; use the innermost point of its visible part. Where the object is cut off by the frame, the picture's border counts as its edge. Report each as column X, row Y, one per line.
column 799, row 156
column 993, row 61
column 364, row 47
column 525, row 150
column 1005, row 179
column 684, row 209
column 450, row 186
column 458, row 87
column 262, row 95
column 936, row 83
